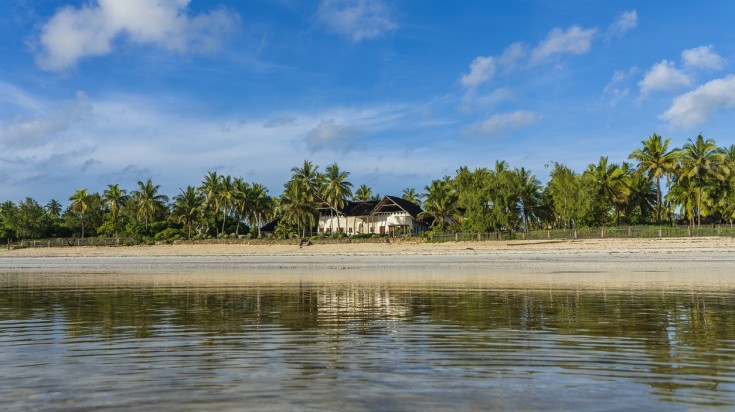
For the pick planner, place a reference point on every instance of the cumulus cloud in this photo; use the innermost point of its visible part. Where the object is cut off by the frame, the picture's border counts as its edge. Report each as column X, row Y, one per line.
column 663, row 76
column 482, row 69
column 328, row 135
column 702, row 57
column 498, row 124
column 357, row 19
column 697, row 107
column 91, row 30
column 574, row 40
column 626, row 22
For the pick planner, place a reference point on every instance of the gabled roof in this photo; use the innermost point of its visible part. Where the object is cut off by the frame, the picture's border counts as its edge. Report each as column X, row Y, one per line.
column 386, row 204
column 395, row 204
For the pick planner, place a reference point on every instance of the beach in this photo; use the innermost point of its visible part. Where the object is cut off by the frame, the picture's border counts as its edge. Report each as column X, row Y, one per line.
column 662, row 255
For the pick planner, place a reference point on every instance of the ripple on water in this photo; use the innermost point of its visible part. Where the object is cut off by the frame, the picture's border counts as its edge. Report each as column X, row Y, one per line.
column 361, row 346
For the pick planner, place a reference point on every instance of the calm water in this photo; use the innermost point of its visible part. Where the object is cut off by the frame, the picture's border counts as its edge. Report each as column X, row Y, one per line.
column 363, row 341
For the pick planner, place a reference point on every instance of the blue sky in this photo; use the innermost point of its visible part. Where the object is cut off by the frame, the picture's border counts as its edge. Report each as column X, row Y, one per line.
column 398, row 93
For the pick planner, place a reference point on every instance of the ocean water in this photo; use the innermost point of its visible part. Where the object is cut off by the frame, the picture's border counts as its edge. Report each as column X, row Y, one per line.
column 365, row 340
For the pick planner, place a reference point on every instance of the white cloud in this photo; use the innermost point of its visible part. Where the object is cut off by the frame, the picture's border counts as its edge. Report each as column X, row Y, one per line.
column 91, row 30
column 356, row 19
column 45, row 126
column 328, row 135
column 498, row 124
column 663, row 76
column 496, row 96
column 617, row 89
column 482, row 69
column 512, row 55
column 574, row 40
column 702, row 58
column 626, row 22
column 697, row 107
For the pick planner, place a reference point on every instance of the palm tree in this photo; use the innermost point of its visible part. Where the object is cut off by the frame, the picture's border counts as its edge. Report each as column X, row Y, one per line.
column 702, row 159
column 210, row 188
column 656, row 161
column 80, row 203
column 684, row 192
column 114, row 199
column 336, row 189
column 226, row 197
column 309, row 177
column 188, row 206
column 147, row 200
column 261, row 205
column 297, row 207
column 53, row 208
column 241, row 201
column 611, row 182
column 529, row 193
column 441, row 204
column 411, row 195
column 363, row 193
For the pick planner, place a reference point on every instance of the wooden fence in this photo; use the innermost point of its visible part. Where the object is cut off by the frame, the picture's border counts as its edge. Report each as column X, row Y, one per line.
column 69, row 242
column 591, row 233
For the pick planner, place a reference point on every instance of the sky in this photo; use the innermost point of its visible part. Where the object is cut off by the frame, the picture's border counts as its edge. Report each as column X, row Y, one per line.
column 398, row 93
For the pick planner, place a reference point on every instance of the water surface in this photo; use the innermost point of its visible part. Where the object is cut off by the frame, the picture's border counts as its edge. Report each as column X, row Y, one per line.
column 366, row 340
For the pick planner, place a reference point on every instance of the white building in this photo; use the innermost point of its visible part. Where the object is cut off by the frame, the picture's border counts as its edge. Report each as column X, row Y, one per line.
column 390, row 215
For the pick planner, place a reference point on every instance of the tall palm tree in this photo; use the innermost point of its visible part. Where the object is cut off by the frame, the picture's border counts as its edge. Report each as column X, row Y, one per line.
column 241, row 201
column 529, row 193
column 336, row 189
column 226, row 197
column 309, row 177
column 114, row 199
column 261, row 205
column 81, row 200
column 655, row 160
column 701, row 160
column 363, row 193
column 411, row 195
column 188, row 206
column 147, row 200
column 210, row 189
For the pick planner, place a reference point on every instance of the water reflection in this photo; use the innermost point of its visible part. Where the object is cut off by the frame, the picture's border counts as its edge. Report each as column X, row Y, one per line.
column 365, row 341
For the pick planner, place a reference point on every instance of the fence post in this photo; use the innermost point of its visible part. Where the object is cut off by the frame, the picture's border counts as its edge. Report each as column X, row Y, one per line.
column 575, row 232
column 659, row 231
column 689, row 231
column 602, row 232
column 456, row 236
column 548, row 234
column 630, row 232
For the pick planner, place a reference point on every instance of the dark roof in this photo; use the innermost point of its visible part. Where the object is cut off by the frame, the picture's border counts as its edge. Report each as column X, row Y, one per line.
column 394, row 204
column 359, row 208
column 271, row 226
column 386, row 204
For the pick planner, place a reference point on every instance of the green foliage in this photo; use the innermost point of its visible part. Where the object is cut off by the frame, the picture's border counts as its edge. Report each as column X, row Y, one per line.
column 169, row 235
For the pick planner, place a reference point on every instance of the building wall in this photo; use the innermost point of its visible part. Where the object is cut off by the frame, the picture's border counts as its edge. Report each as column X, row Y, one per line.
column 368, row 224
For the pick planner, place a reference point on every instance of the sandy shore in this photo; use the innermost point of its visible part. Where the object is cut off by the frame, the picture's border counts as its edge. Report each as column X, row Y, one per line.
column 712, row 253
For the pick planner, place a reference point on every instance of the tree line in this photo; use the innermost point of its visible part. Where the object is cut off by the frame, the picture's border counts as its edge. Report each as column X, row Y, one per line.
column 699, row 179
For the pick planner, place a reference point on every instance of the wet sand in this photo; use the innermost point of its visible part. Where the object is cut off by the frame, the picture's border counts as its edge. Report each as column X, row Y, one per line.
column 670, row 255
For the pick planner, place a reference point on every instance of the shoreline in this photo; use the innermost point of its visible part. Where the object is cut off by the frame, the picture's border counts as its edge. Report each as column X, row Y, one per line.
column 588, row 255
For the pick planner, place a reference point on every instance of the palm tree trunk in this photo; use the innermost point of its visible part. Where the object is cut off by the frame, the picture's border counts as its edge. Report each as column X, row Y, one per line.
column 658, row 200
column 224, row 218
column 82, row 215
